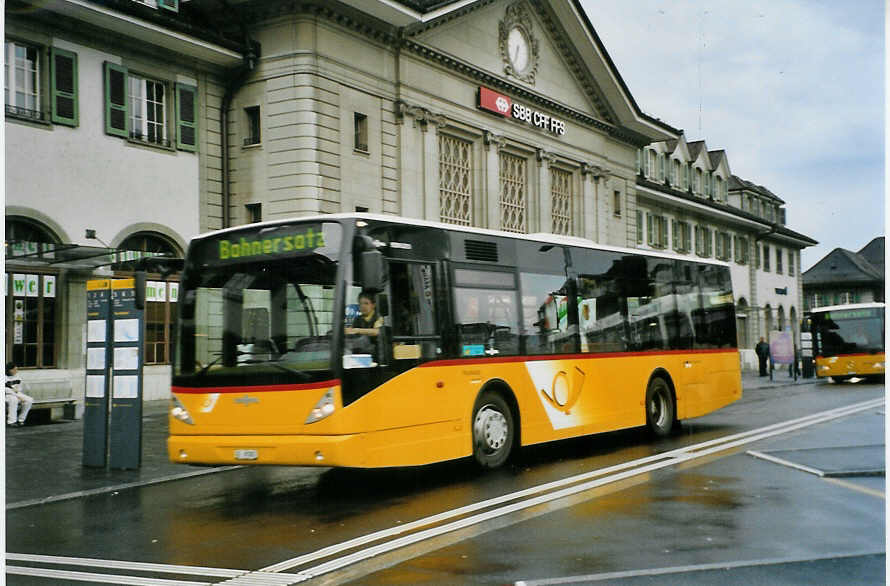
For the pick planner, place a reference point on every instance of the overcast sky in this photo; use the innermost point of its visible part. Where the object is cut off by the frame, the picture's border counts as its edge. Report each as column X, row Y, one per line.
column 792, row 90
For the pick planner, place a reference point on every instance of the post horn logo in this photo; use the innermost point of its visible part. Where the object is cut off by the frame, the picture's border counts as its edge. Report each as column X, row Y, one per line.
column 564, row 393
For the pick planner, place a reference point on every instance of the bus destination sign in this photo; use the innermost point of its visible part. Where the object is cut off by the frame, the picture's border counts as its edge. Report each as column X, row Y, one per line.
column 287, row 240
column 500, row 104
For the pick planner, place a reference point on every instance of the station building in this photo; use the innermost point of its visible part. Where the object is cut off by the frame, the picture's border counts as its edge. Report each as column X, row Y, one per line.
column 132, row 126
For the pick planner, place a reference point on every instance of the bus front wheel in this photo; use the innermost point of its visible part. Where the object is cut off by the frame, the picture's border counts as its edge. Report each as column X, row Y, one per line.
column 493, row 430
column 660, row 414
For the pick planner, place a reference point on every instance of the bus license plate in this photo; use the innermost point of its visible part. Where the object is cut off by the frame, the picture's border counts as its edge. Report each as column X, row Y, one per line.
column 246, row 454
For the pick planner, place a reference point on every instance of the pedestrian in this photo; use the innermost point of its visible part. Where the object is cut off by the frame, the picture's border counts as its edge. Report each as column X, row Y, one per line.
column 17, row 403
column 762, row 351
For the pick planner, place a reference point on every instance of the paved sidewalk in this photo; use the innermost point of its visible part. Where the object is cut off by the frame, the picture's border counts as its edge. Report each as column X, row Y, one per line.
column 44, row 461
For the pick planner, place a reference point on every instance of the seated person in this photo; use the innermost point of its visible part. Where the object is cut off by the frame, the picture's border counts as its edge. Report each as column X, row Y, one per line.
column 367, row 323
column 18, row 404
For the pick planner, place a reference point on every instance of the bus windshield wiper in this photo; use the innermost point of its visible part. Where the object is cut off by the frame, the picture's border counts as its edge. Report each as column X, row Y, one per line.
column 204, row 370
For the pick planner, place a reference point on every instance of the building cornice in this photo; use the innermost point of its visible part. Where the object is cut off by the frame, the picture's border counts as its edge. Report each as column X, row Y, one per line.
column 164, row 33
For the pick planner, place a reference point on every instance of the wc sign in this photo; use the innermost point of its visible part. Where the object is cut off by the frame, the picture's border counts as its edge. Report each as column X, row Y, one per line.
column 500, row 104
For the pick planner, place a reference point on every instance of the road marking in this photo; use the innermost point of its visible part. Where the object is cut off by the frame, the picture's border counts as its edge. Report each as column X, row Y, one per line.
column 69, row 575
column 786, row 463
column 853, row 486
column 546, row 493
column 124, row 565
column 616, row 473
column 685, row 569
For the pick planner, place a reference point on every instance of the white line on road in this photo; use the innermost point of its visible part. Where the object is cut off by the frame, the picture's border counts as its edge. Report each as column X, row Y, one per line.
column 685, row 569
column 581, row 482
column 624, row 471
column 69, row 575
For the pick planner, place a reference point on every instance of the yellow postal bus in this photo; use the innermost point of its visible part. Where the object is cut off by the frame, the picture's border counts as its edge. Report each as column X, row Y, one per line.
column 476, row 342
column 849, row 340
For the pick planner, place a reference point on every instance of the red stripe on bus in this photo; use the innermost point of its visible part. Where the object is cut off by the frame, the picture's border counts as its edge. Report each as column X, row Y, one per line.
column 256, row 388
column 582, row 356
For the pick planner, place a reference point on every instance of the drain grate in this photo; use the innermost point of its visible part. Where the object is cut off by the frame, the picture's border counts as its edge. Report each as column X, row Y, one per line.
column 838, row 462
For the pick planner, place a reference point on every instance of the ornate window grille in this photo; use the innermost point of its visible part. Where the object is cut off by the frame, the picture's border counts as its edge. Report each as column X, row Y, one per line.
column 514, row 216
column 455, row 184
column 561, row 195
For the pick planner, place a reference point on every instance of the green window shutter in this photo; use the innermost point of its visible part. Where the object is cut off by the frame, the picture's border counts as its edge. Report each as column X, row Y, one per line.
column 664, row 232
column 639, row 161
column 674, row 224
column 650, row 229
column 169, row 4
column 687, row 238
column 639, row 227
column 116, row 102
column 186, row 117
column 63, row 87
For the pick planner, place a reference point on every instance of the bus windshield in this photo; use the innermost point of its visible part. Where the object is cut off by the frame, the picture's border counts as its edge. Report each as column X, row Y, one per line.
column 257, row 307
column 849, row 331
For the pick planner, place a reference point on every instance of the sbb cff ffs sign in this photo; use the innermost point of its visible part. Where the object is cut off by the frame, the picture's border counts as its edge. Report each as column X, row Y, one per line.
column 500, row 104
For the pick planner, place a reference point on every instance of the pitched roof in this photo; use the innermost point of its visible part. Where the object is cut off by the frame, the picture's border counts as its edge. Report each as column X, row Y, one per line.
column 736, row 183
column 841, row 265
column 695, row 148
column 716, row 156
column 873, row 252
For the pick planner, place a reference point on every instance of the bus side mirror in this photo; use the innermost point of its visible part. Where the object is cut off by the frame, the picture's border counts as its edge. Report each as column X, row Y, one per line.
column 139, row 289
column 373, row 271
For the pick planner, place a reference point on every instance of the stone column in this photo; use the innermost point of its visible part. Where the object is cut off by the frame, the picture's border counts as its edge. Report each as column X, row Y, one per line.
column 588, row 203
column 411, row 162
column 492, row 185
column 545, row 199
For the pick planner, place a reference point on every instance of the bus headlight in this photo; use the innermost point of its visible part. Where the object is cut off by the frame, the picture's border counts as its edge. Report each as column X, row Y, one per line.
column 178, row 411
column 323, row 408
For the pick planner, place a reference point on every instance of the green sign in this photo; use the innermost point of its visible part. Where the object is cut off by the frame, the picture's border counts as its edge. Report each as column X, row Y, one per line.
column 257, row 245
column 851, row 314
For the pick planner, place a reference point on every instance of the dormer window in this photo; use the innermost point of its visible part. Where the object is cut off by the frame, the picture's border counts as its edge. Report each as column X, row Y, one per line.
column 650, row 171
column 675, row 172
column 697, row 187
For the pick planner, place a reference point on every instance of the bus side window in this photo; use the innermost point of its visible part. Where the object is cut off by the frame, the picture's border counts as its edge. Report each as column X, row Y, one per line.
column 601, row 308
column 488, row 322
column 413, row 311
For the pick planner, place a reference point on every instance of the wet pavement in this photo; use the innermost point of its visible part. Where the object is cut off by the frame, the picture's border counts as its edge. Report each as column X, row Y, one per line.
column 733, row 519
column 44, row 461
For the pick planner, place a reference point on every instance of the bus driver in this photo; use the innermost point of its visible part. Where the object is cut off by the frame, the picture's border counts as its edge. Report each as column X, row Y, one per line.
column 368, row 322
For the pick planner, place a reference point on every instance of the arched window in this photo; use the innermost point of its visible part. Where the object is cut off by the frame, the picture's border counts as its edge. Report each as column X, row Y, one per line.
column 767, row 320
column 142, row 244
column 30, row 303
column 160, row 296
column 781, row 319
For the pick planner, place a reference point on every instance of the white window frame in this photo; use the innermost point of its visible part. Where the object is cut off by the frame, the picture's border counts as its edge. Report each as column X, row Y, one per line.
column 29, row 86
column 143, row 107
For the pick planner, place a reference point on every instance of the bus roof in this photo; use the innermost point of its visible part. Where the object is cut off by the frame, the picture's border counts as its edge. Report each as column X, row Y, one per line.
column 535, row 237
column 847, row 306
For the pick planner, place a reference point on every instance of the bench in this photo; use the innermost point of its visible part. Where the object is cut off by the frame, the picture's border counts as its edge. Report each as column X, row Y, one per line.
column 54, row 396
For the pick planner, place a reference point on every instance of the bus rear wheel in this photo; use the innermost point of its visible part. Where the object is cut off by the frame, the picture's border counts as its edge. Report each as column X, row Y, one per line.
column 660, row 415
column 493, row 430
